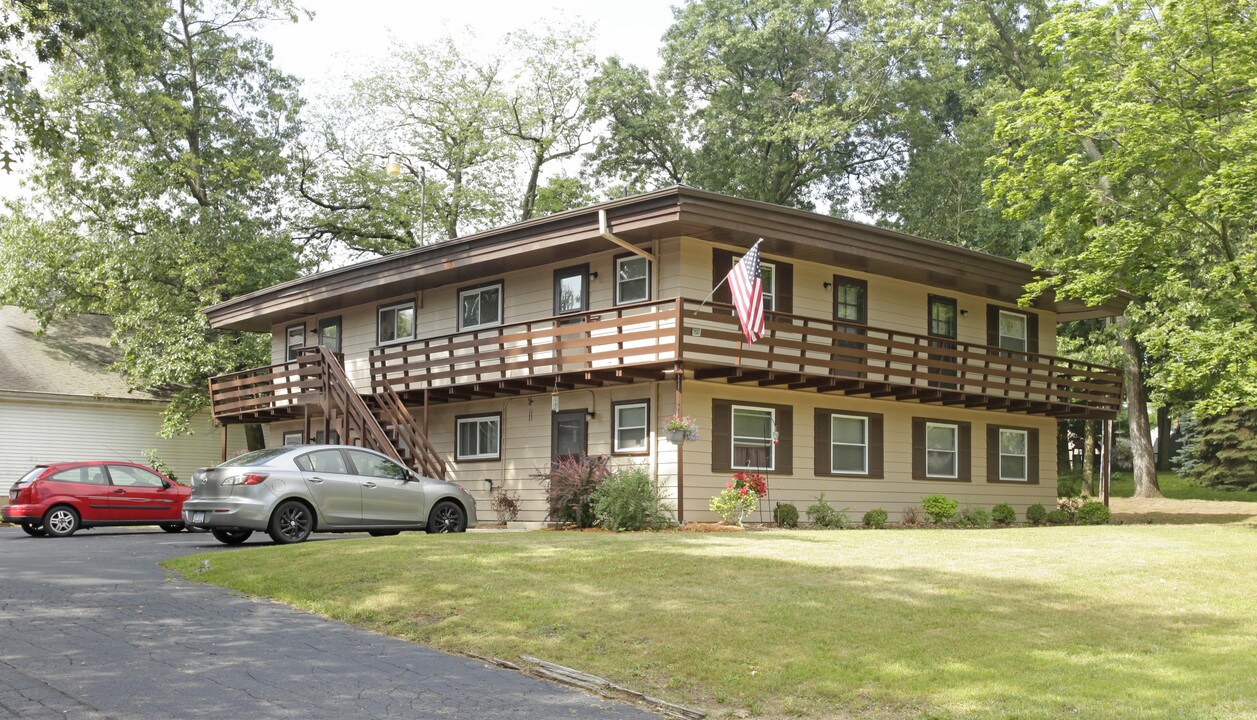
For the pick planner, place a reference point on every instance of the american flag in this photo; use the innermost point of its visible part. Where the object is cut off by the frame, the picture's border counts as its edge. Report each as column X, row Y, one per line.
column 746, row 285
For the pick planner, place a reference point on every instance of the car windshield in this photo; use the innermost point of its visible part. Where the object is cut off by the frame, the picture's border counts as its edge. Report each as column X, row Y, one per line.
column 257, row 457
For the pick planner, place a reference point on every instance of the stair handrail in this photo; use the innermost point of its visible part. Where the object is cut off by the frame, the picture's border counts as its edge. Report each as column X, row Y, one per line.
column 424, row 453
column 339, row 391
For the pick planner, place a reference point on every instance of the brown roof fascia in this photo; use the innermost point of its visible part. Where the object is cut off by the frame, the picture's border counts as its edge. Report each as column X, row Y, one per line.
column 788, row 232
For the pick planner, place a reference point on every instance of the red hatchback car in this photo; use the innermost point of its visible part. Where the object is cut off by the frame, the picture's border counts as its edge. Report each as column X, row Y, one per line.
column 58, row 500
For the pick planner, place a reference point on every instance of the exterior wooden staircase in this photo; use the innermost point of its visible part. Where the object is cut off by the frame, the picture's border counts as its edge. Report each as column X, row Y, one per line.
column 315, row 383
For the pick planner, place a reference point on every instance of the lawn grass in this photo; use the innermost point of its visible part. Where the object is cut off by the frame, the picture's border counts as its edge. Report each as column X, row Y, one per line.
column 1173, row 486
column 1068, row 622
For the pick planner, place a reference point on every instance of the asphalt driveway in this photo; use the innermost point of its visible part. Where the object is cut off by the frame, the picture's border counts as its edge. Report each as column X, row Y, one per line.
column 91, row 627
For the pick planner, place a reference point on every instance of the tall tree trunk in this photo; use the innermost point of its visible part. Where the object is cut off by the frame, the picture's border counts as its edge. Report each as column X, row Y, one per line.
column 1142, row 455
column 1088, row 457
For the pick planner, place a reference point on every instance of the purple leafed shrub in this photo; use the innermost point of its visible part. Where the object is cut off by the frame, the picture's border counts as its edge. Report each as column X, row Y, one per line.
column 570, row 483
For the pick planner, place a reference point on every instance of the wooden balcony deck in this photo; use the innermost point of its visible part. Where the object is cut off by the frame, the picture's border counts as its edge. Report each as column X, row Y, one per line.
column 644, row 340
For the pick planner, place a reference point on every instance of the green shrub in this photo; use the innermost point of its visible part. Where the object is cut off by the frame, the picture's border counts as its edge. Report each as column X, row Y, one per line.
column 1093, row 513
column 974, row 517
column 1058, row 517
column 939, row 508
column 630, row 499
column 824, row 515
column 786, row 515
column 570, row 484
column 1036, row 514
column 875, row 518
column 1070, row 506
column 1004, row 514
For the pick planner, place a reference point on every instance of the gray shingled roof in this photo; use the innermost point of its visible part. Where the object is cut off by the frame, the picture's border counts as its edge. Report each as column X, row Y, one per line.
column 71, row 358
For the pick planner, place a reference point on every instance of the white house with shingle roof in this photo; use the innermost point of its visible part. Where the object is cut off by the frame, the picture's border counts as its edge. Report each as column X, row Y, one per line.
column 59, row 401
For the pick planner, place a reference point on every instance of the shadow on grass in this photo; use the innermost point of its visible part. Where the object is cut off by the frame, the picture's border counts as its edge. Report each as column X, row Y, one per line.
column 741, row 627
column 1169, row 518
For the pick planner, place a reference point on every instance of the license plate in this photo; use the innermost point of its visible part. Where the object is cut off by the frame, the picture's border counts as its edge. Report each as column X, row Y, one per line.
column 198, row 517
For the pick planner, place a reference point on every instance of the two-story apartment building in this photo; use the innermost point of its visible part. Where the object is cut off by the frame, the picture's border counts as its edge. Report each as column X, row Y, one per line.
column 893, row 367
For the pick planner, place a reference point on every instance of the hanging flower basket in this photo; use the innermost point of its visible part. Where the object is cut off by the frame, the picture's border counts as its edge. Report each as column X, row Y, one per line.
column 679, row 429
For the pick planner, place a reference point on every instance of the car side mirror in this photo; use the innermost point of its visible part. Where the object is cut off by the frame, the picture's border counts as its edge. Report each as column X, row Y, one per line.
column 412, row 476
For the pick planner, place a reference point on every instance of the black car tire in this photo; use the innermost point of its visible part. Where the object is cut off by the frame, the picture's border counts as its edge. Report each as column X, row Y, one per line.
column 228, row 536
column 61, row 521
column 447, row 517
column 33, row 529
column 383, row 533
column 172, row 527
column 292, row 522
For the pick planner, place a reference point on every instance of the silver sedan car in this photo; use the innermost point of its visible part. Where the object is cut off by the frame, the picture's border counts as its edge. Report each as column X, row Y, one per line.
column 289, row 492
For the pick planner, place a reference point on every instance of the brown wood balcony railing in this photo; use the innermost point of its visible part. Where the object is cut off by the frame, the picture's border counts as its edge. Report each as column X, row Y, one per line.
column 641, row 340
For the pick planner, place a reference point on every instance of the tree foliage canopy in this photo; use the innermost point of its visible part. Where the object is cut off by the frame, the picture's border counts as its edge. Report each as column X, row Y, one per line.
column 167, row 192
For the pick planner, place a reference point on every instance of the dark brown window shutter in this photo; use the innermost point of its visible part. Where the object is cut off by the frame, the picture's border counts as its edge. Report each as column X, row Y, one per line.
column 1032, row 455
column 992, row 325
column 918, row 449
column 721, row 436
column 785, row 286
column 1032, row 332
column 822, row 439
column 721, row 264
column 964, row 460
column 992, row 453
column 785, row 439
column 877, row 446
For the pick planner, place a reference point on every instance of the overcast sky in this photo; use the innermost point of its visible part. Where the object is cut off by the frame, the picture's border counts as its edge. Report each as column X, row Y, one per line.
column 345, row 36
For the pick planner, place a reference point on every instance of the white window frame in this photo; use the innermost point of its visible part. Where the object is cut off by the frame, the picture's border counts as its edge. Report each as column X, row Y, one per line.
column 289, row 348
column 477, row 291
column 619, row 296
column 1025, row 331
column 1025, row 458
column 291, row 433
column 495, row 420
column 617, row 426
column 733, row 437
column 379, row 327
column 955, row 451
column 834, row 443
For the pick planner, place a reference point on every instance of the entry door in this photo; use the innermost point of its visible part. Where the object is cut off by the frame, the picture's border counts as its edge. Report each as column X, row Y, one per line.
column 851, row 308
column 568, row 433
column 571, row 292
column 330, row 335
column 943, row 320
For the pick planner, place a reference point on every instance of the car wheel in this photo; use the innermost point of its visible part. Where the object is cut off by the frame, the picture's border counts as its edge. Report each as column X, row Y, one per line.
column 292, row 523
column 447, row 517
column 383, row 533
column 33, row 529
column 231, row 536
column 172, row 527
column 61, row 521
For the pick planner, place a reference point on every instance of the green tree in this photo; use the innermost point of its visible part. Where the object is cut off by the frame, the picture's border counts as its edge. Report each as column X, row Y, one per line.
column 761, row 99
column 438, row 112
column 546, row 112
column 1140, row 159
column 167, row 192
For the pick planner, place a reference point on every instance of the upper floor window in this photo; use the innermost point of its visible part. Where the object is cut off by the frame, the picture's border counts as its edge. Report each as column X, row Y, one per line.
column 396, row 322
column 754, row 439
column 571, row 289
column 480, row 307
column 295, row 340
column 851, row 301
column 632, row 279
column 1013, row 328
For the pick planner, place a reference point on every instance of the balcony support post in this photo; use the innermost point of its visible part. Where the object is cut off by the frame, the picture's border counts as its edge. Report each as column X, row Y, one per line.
column 680, row 374
column 223, row 442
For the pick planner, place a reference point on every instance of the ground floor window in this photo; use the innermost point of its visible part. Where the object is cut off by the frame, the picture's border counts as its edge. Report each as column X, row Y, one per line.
column 630, row 431
column 754, row 436
column 478, row 437
column 940, row 449
column 1012, row 454
column 848, row 445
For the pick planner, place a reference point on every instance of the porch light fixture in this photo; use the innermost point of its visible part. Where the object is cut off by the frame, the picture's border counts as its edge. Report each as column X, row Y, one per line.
column 964, row 313
column 593, row 275
column 827, row 284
